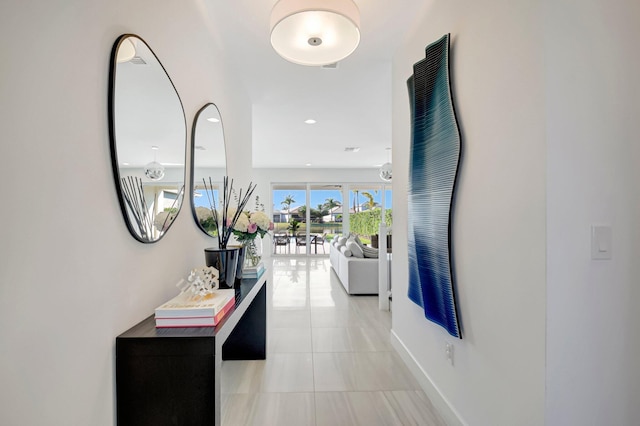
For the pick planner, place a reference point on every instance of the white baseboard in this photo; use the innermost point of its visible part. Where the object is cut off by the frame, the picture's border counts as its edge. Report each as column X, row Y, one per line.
column 445, row 409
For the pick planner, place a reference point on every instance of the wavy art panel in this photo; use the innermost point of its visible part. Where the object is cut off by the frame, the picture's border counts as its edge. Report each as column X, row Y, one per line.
column 435, row 154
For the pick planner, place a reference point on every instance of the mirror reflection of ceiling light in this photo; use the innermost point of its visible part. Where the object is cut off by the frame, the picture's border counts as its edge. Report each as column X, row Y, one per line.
column 310, row 121
column 126, row 51
column 386, row 170
column 154, row 170
column 315, row 32
column 213, row 120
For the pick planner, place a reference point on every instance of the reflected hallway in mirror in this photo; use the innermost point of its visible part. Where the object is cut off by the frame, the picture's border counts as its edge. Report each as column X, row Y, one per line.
column 209, row 164
column 147, row 130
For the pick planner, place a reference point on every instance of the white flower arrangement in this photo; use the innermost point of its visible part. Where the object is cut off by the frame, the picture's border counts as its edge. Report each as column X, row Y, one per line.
column 252, row 224
column 225, row 221
column 242, row 224
column 262, row 220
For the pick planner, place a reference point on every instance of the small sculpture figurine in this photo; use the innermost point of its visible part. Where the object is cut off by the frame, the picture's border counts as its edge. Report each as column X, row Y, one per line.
column 200, row 281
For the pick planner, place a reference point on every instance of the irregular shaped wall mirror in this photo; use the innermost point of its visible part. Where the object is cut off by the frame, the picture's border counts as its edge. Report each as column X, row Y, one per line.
column 148, row 139
column 209, row 164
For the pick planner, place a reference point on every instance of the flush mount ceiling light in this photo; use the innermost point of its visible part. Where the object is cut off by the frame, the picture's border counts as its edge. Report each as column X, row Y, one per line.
column 154, row 170
column 315, row 32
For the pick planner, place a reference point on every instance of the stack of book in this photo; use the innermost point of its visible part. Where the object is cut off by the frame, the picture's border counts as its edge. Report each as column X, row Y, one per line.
column 189, row 310
column 254, row 271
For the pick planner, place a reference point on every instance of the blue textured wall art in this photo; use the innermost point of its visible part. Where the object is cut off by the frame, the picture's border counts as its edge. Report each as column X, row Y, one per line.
column 435, row 154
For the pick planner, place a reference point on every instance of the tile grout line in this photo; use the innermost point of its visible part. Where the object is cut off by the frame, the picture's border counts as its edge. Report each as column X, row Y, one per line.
column 373, row 320
column 313, row 358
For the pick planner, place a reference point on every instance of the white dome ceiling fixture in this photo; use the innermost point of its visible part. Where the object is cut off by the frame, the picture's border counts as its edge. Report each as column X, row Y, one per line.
column 315, row 32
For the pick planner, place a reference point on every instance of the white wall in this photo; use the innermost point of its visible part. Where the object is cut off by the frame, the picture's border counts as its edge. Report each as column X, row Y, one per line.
column 592, row 109
column 498, row 232
column 71, row 276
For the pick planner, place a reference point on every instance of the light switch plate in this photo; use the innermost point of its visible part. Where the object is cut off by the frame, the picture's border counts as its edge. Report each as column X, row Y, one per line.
column 601, row 242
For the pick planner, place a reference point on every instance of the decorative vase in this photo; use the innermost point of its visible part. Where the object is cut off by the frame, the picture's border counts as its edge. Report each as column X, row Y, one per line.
column 252, row 254
column 226, row 262
column 241, row 254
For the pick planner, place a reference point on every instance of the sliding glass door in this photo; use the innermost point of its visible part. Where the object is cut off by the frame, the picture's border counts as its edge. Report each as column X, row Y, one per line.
column 325, row 216
column 289, row 216
column 306, row 217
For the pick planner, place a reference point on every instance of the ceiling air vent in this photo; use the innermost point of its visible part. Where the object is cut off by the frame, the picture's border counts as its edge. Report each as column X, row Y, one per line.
column 352, row 149
column 137, row 60
column 332, row 66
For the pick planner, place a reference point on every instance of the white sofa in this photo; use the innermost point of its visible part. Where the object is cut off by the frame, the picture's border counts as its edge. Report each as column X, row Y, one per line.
column 357, row 275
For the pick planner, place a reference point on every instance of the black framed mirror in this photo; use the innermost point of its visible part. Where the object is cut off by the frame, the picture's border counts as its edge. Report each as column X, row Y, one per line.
column 148, row 133
column 208, row 163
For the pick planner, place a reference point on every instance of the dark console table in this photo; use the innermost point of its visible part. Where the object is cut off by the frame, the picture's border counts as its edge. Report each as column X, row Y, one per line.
column 171, row 376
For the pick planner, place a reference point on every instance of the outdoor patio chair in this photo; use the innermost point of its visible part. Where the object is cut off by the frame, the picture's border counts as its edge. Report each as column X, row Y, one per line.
column 319, row 241
column 280, row 240
column 301, row 240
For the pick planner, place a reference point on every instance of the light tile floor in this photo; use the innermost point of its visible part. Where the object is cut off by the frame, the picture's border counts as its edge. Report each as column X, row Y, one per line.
column 329, row 359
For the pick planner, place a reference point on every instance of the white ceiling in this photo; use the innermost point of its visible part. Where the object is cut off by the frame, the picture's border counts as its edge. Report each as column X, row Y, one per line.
column 147, row 113
column 352, row 104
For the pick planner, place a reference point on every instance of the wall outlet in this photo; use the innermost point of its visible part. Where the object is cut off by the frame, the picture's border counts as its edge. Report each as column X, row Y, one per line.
column 448, row 350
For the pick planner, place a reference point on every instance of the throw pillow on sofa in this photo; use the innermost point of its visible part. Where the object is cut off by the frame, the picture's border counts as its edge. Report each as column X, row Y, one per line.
column 341, row 242
column 344, row 250
column 370, row 252
column 359, row 242
column 355, row 249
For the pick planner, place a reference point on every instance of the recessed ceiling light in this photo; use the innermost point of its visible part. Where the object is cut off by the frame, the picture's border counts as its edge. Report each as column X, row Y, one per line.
column 310, row 121
column 352, row 149
column 155, row 147
column 213, row 120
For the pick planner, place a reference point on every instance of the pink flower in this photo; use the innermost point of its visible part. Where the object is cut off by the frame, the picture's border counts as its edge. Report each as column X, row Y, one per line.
column 271, row 226
column 229, row 221
column 252, row 228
